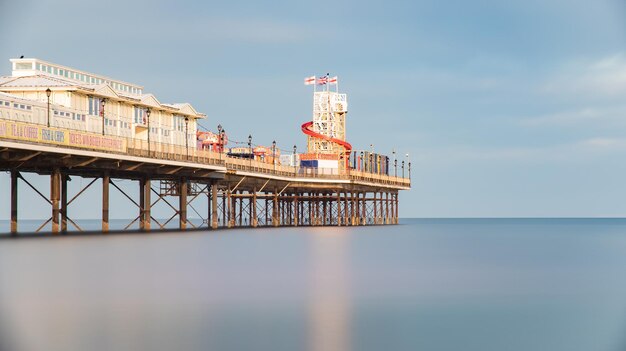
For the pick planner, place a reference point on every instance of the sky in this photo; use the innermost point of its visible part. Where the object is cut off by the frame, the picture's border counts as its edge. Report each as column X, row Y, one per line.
column 506, row 109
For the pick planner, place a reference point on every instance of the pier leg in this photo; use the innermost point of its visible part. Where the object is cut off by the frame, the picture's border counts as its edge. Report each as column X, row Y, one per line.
column 397, row 219
column 106, row 180
column 241, row 209
column 351, row 204
column 224, row 210
column 325, row 211
column 182, row 205
column 148, row 204
column 275, row 214
column 14, row 177
column 209, row 210
column 364, row 209
column 255, row 220
column 339, row 214
column 346, row 208
column 55, row 185
column 229, row 206
column 142, row 203
column 316, row 211
column 358, row 213
column 296, row 211
column 64, row 179
column 375, row 209
column 214, row 206
column 386, row 221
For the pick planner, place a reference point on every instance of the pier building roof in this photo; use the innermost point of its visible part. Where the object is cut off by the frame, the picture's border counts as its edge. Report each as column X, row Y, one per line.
column 31, row 74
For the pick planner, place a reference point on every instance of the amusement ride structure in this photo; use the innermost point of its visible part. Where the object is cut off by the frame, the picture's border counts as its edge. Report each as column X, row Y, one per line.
column 326, row 133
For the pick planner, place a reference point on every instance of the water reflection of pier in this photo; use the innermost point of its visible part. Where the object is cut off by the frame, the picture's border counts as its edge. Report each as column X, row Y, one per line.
column 330, row 310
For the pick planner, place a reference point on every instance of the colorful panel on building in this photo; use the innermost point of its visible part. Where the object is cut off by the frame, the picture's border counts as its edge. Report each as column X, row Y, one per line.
column 43, row 134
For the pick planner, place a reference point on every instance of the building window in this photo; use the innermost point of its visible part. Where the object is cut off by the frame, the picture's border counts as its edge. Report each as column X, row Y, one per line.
column 94, row 106
column 140, row 116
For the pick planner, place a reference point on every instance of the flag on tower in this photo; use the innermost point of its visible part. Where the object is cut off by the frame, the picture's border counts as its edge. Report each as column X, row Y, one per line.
column 309, row 80
column 332, row 80
column 322, row 80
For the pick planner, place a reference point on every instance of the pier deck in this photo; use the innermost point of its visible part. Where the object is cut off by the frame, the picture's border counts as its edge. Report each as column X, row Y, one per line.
column 239, row 192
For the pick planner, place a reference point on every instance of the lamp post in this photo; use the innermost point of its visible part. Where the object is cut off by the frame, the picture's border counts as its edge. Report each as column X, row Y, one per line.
column 402, row 168
column 408, row 161
column 395, row 168
column 102, row 104
column 274, row 154
column 48, row 93
column 361, row 165
column 187, row 136
column 148, row 118
column 223, row 140
column 250, row 148
column 295, row 161
column 395, row 163
column 219, row 140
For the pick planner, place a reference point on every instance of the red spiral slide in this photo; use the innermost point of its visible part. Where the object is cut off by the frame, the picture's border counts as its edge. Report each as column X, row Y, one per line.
column 306, row 129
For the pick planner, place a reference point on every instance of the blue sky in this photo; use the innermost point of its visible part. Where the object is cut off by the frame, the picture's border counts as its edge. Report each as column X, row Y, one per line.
column 508, row 109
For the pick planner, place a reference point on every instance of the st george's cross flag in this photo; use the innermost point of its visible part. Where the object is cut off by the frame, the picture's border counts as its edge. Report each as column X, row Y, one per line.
column 309, row 80
column 332, row 80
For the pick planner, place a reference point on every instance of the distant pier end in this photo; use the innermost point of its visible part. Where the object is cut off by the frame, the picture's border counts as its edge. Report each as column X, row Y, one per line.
column 62, row 123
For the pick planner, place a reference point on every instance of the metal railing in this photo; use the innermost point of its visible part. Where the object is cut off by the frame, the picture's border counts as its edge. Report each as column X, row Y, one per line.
column 165, row 151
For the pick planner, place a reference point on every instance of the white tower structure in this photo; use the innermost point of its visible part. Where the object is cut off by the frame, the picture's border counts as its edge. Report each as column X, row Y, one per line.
column 329, row 120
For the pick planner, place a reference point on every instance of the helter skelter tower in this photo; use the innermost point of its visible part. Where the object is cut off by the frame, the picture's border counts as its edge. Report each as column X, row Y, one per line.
column 326, row 133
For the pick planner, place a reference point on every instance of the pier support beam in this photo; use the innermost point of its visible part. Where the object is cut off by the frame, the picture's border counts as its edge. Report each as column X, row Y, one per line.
column 375, row 208
column 214, row 214
column 229, row 208
column 14, row 178
column 255, row 219
column 182, row 205
column 397, row 220
column 275, row 214
column 296, row 210
column 106, row 180
column 144, row 204
column 55, row 192
column 64, row 180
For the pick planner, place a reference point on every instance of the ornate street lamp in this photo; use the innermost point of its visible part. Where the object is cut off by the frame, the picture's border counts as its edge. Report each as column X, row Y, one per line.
column 250, row 148
column 274, row 154
column 102, row 104
column 148, row 118
column 360, row 165
column 295, row 161
column 402, row 168
column 48, row 93
column 408, row 160
column 219, row 140
column 395, row 167
column 395, row 163
column 187, row 136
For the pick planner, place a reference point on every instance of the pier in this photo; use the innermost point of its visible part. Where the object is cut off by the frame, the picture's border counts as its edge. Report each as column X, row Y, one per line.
column 252, row 191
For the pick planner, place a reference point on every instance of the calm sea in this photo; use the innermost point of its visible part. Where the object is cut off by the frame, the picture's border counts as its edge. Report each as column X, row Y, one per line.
column 449, row 284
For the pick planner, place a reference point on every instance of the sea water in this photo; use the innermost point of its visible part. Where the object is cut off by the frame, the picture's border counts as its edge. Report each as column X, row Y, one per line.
column 427, row 284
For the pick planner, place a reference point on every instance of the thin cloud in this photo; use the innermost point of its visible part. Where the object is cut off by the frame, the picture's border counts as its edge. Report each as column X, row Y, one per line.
column 601, row 78
column 598, row 116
